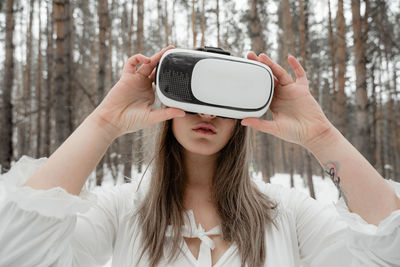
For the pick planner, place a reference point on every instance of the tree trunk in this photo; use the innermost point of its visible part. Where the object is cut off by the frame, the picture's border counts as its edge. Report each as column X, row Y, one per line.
column 362, row 123
column 173, row 29
column 139, row 47
column 203, row 24
column 127, row 139
column 284, row 158
column 309, row 175
column 332, row 50
column 26, row 128
column 110, row 55
column 113, row 149
column 102, row 11
column 302, row 34
column 263, row 143
column 389, row 150
column 166, row 24
column 49, row 81
column 39, row 91
column 291, row 167
column 288, row 32
column 63, row 77
column 287, row 47
column 395, row 131
column 258, row 44
column 85, row 78
column 380, row 122
column 194, row 24
column 159, row 23
column 218, row 26
column 6, row 129
column 341, row 63
column 303, row 52
column 130, row 32
column 374, row 119
column 381, row 134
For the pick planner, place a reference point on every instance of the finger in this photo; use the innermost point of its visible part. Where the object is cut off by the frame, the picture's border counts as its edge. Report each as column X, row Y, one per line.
column 132, row 62
column 164, row 114
column 297, row 69
column 265, row 126
column 251, row 55
column 153, row 75
column 283, row 77
column 146, row 69
column 276, row 82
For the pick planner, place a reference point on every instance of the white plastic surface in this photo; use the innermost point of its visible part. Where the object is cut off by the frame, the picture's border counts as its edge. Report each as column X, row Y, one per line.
column 221, row 82
column 232, row 84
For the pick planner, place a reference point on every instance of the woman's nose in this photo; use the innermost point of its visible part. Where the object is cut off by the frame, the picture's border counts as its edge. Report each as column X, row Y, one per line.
column 206, row 115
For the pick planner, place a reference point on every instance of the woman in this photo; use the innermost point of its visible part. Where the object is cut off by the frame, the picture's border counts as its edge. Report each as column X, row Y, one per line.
column 200, row 207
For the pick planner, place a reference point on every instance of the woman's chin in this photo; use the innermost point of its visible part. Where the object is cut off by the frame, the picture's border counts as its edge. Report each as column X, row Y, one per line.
column 203, row 151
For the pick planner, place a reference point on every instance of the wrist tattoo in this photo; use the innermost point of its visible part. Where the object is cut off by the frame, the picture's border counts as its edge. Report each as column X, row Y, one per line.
column 332, row 169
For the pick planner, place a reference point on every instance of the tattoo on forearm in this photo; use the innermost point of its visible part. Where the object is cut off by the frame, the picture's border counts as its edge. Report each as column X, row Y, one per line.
column 332, row 169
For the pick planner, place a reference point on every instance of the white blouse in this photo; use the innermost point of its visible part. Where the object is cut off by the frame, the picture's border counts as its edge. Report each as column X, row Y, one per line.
column 54, row 228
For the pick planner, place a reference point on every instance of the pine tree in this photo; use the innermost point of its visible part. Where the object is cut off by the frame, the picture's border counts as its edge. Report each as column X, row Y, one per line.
column 63, row 76
column 341, row 63
column 362, row 124
column 102, row 11
column 6, row 128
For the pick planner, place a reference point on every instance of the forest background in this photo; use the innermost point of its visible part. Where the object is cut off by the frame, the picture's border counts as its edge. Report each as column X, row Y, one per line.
column 59, row 58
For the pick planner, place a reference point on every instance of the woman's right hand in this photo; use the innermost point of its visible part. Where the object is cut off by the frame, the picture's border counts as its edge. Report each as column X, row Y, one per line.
column 128, row 106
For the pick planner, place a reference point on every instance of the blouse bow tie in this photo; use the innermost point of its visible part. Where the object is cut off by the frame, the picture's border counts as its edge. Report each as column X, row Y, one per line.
column 190, row 230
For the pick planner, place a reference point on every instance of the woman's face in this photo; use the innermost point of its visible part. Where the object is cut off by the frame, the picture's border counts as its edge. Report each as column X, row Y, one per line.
column 189, row 133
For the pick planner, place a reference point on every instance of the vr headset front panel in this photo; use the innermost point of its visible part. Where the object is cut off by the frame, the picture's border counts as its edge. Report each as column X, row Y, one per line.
column 214, row 84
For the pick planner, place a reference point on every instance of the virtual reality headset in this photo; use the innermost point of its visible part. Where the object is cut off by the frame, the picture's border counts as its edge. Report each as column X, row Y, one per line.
column 213, row 82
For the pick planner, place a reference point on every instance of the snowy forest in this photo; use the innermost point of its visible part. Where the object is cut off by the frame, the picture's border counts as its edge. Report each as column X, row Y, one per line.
column 59, row 58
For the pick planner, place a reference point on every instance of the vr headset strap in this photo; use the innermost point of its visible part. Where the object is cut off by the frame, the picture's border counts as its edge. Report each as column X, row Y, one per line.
column 213, row 50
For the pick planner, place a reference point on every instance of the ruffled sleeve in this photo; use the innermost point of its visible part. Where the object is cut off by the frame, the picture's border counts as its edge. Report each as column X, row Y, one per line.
column 331, row 236
column 372, row 245
column 53, row 227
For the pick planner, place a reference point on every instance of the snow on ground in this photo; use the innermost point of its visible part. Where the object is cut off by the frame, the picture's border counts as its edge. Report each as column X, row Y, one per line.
column 325, row 190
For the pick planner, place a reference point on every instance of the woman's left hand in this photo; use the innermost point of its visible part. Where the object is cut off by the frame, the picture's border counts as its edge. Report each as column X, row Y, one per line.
column 296, row 115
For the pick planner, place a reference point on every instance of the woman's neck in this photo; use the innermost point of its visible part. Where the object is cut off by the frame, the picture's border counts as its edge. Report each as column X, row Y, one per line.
column 199, row 169
column 198, row 192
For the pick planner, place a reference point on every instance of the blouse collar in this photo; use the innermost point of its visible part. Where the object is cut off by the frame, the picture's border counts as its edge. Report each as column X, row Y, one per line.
column 191, row 230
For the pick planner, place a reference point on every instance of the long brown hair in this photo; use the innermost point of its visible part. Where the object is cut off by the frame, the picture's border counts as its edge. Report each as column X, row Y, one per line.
column 243, row 209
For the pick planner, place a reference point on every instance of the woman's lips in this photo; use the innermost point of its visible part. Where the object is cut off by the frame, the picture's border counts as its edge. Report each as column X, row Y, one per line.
column 202, row 131
column 206, row 127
